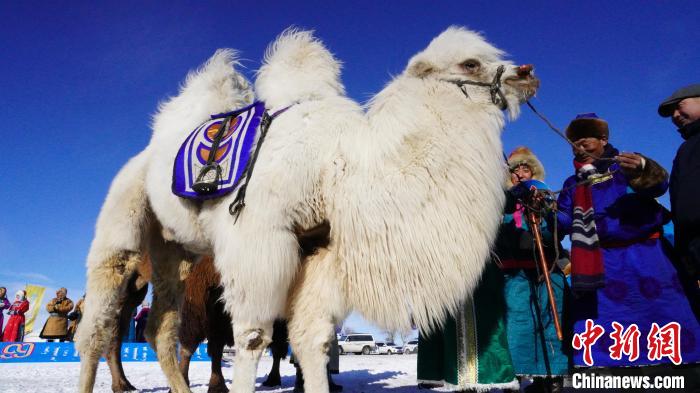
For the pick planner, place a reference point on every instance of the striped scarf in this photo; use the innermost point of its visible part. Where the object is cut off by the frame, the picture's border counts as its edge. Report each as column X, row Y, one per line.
column 587, row 271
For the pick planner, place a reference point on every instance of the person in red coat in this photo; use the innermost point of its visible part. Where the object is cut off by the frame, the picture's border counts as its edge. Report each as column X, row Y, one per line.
column 14, row 331
column 4, row 304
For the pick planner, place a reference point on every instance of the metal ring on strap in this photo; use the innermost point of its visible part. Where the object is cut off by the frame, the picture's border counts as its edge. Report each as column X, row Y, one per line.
column 497, row 96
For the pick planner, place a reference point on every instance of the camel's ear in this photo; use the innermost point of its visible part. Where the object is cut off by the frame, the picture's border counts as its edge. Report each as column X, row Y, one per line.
column 420, row 68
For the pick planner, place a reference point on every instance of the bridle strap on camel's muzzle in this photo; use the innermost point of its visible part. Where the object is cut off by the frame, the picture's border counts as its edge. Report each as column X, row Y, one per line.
column 497, row 96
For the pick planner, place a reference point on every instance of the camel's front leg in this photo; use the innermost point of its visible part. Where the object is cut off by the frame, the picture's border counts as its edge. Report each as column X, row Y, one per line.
column 217, row 383
column 170, row 267
column 279, row 349
column 250, row 342
column 316, row 305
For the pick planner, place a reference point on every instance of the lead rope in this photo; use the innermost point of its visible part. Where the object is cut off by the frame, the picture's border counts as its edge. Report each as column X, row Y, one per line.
column 561, row 134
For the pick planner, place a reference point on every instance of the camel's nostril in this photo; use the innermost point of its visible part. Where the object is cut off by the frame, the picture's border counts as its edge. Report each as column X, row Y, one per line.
column 525, row 70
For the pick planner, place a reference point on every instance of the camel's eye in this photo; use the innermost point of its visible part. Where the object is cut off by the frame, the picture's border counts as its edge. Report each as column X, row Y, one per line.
column 471, row 65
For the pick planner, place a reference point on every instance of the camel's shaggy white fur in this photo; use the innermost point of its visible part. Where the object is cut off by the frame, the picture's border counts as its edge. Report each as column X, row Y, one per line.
column 414, row 201
column 308, row 70
column 411, row 189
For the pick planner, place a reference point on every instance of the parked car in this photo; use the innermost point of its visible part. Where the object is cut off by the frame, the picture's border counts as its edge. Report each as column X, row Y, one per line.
column 410, row 347
column 357, row 343
column 388, row 349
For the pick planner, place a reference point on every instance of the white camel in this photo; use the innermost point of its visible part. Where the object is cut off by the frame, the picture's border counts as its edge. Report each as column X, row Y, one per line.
column 411, row 190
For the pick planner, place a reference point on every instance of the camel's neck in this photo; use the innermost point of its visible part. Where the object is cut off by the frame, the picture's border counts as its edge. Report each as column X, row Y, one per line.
column 410, row 111
column 419, row 203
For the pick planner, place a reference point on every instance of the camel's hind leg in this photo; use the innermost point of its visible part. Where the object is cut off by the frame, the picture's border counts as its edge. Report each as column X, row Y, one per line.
column 113, row 258
column 316, row 305
column 136, row 292
column 106, row 286
column 171, row 264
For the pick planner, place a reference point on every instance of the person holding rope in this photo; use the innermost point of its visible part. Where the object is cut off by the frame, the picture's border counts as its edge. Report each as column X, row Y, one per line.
column 621, row 267
column 683, row 106
column 535, row 348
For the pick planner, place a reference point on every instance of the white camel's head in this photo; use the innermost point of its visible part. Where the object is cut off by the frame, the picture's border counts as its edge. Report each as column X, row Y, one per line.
column 460, row 55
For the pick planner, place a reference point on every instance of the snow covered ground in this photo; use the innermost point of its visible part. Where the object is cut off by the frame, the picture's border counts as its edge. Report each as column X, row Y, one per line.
column 358, row 373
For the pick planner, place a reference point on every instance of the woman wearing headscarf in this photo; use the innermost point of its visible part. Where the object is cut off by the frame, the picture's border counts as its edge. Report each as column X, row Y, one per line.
column 14, row 331
column 532, row 339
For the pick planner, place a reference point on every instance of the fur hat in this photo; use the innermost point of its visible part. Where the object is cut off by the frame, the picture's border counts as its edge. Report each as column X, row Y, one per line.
column 587, row 125
column 522, row 155
column 22, row 294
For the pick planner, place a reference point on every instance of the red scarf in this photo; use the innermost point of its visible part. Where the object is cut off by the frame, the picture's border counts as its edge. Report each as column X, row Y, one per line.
column 587, row 271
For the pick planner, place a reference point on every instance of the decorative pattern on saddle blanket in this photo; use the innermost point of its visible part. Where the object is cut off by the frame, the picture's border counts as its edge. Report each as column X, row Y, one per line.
column 233, row 154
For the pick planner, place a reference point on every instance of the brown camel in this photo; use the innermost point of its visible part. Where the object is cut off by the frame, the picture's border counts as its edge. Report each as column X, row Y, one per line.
column 202, row 316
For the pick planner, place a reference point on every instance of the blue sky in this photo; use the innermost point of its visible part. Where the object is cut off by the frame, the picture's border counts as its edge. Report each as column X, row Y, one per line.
column 80, row 80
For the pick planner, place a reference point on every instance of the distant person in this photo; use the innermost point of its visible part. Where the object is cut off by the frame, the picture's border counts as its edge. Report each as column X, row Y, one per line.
column 74, row 317
column 56, row 326
column 4, row 304
column 14, row 331
column 141, row 320
column 683, row 106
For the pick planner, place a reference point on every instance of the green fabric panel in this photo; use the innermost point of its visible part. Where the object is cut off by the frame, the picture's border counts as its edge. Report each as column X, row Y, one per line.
column 495, row 364
column 439, row 353
column 532, row 337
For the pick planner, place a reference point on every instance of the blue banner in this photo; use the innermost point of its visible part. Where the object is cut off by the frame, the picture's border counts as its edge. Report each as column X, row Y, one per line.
column 66, row 352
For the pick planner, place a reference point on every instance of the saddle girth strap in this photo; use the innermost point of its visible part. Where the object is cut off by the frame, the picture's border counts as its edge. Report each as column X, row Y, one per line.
column 238, row 203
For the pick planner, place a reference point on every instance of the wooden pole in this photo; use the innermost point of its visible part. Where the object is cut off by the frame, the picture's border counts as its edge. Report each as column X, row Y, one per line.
column 535, row 227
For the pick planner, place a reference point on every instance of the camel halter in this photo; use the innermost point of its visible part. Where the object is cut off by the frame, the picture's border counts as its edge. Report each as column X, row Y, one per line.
column 497, row 96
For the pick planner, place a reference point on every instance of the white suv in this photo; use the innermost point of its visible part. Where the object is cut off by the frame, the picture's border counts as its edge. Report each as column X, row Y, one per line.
column 388, row 349
column 357, row 343
column 410, row 347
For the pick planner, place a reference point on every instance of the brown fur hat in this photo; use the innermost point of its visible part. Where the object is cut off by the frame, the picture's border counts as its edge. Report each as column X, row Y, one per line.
column 522, row 155
column 587, row 125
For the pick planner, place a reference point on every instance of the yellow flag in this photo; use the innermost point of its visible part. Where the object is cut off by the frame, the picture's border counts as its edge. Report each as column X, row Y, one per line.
column 35, row 294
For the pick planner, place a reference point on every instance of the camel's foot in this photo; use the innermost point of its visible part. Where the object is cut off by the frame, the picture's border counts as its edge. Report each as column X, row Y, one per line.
column 220, row 388
column 272, row 381
column 123, row 386
column 217, row 383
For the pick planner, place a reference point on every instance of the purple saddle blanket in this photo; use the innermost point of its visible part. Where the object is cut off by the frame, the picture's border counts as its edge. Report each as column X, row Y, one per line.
column 232, row 156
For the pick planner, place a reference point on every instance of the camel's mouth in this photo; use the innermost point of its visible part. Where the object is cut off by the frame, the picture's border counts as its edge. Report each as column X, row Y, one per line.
column 525, row 86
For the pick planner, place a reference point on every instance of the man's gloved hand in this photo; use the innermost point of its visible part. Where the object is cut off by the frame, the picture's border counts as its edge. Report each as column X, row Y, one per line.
column 631, row 164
